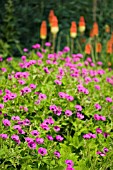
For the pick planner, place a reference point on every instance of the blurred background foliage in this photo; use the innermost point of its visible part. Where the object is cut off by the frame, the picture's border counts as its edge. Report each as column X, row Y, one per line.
column 20, row 20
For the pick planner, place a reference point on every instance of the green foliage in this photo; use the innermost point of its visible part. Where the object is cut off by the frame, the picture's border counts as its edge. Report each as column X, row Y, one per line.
column 73, row 147
column 8, row 32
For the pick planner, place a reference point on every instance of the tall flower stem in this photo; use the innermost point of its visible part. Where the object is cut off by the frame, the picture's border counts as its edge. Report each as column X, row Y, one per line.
column 54, row 40
column 43, row 41
column 72, row 45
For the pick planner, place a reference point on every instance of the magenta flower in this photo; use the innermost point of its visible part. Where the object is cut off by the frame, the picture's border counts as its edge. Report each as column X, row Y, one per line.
column 27, row 139
column 92, row 64
column 106, row 149
column 51, row 121
column 10, row 76
column 68, row 113
column 35, row 133
column 97, row 106
column 36, row 46
column 57, row 112
column 100, row 153
column 56, row 128
column 25, row 74
column 37, row 102
column 78, row 107
column 15, row 138
column 80, row 115
column 0, row 92
column 25, row 50
column 56, row 109
column 62, row 95
column 32, row 86
column 23, row 58
column 17, row 127
column 57, row 154
column 58, row 82
column 86, row 63
column 87, row 80
column 96, row 79
column 50, row 56
column 42, row 151
column 6, row 98
column 105, row 134
column 39, row 62
column 108, row 99
column 32, row 145
column 47, row 44
column 86, row 136
column 4, row 136
column 39, row 54
column 98, row 130
column 42, row 96
column 89, row 59
column 61, row 71
column 48, row 61
column 1, row 106
column 1, row 59
column 99, row 63
column 20, row 122
column 21, row 131
column 69, row 162
column 97, row 87
column 97, row 117
column 25, row 109
column 39, row 140
column 69, row 98
column 92, row 135
column 53, row 108
column 4, row 70
column 26, row 122
column 49, row 137
column 17, row 118
column 44, row 126
column 66, row 49
column 9, row 59
column 46, row 121
column 25, row 90
column 69, row 167
column 103, row 118
column 59, row 138
column 46, row 70
column 6, row 122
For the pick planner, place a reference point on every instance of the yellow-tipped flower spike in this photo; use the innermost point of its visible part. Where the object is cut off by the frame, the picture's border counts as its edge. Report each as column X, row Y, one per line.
column 43, row 30
column 54, row 25
column 82, row 25
column 73, row 30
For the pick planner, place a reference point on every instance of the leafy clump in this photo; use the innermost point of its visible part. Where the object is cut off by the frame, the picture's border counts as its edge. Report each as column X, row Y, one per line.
column 56, row 112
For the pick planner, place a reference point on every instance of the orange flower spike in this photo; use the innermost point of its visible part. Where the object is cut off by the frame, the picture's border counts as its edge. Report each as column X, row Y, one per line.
column 109, row 47
column 91, row 33
column 88, row 49
column 98, row 47
column 43, row 30
column 82, row 25
column 73, row 30
column 54, row 25
column 95, row 29
column 51, row 14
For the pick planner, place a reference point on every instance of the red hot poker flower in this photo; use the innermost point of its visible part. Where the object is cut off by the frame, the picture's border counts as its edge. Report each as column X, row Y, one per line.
column 43, row 30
